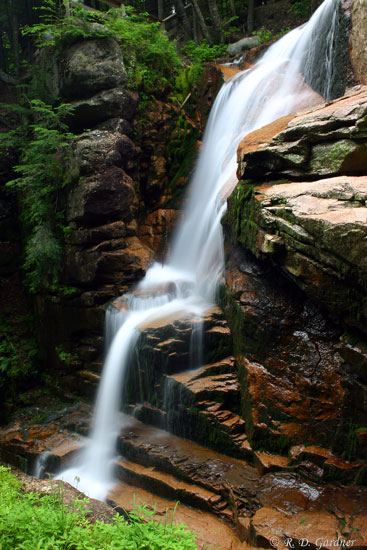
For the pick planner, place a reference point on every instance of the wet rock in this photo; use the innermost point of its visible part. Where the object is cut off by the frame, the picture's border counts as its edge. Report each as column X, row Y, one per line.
column 294, row 384
column 91, row 66
column 156, row 228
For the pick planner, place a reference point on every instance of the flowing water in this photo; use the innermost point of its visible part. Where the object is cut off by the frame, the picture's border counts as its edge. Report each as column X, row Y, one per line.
column 187, row 283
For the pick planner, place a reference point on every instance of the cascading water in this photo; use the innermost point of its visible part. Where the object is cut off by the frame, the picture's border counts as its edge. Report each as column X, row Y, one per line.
column 187, row 283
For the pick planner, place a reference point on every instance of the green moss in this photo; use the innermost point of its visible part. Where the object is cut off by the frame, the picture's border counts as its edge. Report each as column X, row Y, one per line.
column 181, row 152
column 240, row 219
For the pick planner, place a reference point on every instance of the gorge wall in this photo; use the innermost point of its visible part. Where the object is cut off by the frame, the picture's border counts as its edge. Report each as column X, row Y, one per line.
column 284, row 362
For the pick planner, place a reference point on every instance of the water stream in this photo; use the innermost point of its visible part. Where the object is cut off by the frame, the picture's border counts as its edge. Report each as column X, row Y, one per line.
column 187, row 282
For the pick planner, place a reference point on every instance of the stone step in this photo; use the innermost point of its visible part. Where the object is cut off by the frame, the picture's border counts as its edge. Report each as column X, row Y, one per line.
column 169, row 486
column 210, row 531
column 187, row 461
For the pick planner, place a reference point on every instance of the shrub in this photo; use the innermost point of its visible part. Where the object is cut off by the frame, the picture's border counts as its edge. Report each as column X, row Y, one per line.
column 44, row 143
column 33, row 521
column 199, row 53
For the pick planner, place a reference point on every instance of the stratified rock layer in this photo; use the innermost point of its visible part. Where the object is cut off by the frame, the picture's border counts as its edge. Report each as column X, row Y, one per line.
column 315, row 230
column 300, row 208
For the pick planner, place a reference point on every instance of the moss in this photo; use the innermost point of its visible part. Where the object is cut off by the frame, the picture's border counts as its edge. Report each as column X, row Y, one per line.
column 181, row 152
column 269, row 442
column 346, row 442
column 240, row 219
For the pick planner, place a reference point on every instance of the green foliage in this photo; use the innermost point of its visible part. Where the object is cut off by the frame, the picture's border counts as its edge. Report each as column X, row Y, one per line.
column 45, row 149
column 18, row 354
column 228, row 29
column 151, row 59
column 186, row 80
column 266, row 35
column 32, row 521
column 199, row 53
column 54, row 29
column 302, row 8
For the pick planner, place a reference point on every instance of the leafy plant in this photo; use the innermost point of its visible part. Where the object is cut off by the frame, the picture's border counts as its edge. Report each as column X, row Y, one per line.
column 43, row 522
column 45, row 143
column 302, row 8
column 19, row 354
column 266, row 35
column 199, row 53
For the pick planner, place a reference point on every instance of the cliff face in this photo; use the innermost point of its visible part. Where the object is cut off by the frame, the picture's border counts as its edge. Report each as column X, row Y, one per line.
column 131, row 165
column 300, row 206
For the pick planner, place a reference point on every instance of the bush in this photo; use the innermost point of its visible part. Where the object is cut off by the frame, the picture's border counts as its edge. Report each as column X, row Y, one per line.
column 33, row 521
column 199, row 53
column 44, row 144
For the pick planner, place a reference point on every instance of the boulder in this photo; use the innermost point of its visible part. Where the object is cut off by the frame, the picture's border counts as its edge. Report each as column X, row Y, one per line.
column 115, row 102
column 101, row 198
column 91, row 66
column 98, row 149
column 243, row 45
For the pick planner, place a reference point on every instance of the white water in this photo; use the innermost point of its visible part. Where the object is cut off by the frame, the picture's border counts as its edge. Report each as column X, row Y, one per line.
column 188, row 281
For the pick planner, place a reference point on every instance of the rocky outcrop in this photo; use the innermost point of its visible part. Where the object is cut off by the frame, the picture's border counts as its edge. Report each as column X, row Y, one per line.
column 300, row 209
column 313, row 229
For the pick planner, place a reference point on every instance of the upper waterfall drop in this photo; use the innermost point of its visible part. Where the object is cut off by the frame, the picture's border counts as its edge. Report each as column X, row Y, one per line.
column 187, row 283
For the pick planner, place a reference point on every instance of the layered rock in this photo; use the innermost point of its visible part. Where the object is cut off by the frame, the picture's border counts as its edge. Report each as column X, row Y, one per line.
column 300, row 209
column 314, row 230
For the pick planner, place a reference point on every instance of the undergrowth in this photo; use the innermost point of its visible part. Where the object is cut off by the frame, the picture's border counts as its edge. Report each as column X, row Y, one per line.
column 151, row 59
column 32, row 521
column 44, row 144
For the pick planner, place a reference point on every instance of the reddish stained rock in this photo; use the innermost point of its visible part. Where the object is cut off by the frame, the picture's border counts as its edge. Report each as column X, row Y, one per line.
column 294, row 385
column 156, row 228
column 266, row 462
column 358, row 54
column 271, row 529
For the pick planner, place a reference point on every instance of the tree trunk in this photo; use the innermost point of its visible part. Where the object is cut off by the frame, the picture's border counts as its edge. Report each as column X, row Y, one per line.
column 217, row 24
column 233, row 8
column 13, row 33
column 183, row 19
column 202, row 23
column 160, row 10
column 250, row 15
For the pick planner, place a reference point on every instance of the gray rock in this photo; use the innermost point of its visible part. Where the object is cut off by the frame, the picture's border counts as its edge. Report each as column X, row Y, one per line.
column 101, row 198
column 106, row 104
column 243, row 45
column 91, row 66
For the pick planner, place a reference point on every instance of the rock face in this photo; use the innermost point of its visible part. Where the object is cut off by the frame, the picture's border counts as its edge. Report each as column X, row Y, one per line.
column 130, row 171
column 312, row 230
column 357, row 40
column 315, row 230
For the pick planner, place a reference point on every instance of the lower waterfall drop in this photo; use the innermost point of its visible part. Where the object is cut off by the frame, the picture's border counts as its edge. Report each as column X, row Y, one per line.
column 277, row 85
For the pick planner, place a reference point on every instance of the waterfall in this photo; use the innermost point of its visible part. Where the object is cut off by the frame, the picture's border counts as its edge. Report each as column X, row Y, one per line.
column 187, row 282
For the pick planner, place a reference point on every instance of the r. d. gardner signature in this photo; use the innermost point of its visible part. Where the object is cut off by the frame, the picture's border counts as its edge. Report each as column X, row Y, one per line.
column 320, row 542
